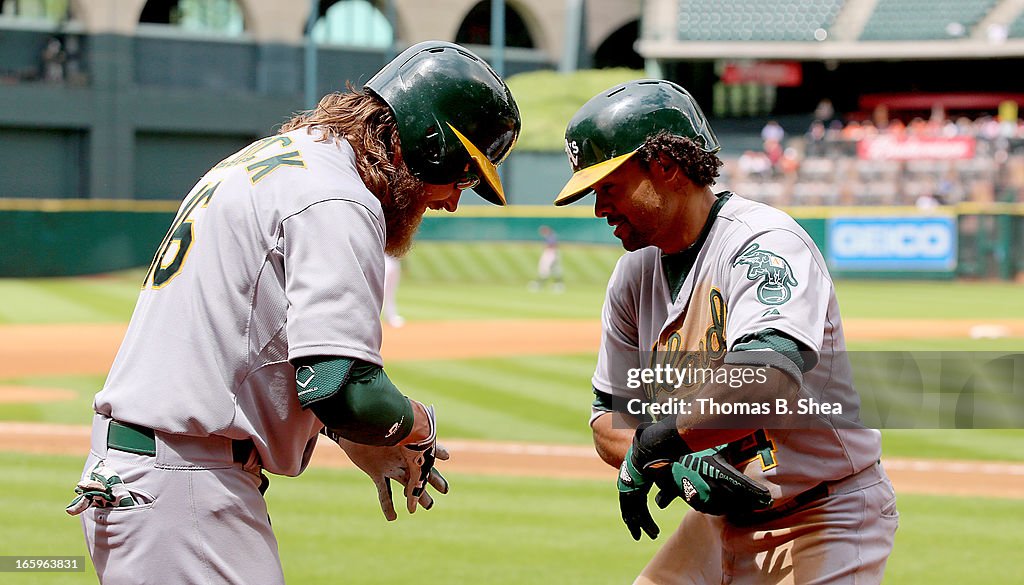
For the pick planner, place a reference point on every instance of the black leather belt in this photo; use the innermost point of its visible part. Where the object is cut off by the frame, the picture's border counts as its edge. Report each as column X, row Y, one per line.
column 142, row 441
column 798, row 501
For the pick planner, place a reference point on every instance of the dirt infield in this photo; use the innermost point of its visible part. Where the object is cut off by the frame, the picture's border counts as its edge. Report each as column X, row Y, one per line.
column 13, row 394
column 910, row 476
column 26, row 350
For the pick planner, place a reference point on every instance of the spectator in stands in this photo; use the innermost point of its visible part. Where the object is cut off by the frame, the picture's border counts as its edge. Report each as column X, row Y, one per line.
column 927, row 201
column 964, row 126
column 895, row 128
column 772, row 132
column 754, row 165
column 815, row 139
column 852, row 132
column 949, row 129
column 824, row 112
column 918, row 127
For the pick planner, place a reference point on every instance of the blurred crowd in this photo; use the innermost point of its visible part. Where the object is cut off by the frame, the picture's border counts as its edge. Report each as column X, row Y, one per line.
column 828, row 164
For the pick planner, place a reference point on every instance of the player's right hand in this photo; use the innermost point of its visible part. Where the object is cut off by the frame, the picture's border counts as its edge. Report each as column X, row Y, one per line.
column 709, row 484
column 411, row 465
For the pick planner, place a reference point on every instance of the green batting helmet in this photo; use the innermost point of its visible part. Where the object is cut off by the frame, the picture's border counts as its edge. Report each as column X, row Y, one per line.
column 614, row 124
column 456, row 118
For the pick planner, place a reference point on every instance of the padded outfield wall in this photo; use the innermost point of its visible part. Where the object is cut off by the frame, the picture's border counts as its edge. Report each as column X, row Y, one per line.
column 63, row 237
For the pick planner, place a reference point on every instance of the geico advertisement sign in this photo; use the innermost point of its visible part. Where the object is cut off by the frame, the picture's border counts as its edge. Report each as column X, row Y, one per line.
column 892, row 243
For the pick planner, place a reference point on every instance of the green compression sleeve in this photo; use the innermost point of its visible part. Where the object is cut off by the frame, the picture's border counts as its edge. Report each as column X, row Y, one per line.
column 356, row 400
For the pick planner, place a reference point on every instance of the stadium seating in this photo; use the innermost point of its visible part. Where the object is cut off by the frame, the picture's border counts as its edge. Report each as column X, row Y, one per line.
column 836, row 174
column 917, row 20
column 755, row 20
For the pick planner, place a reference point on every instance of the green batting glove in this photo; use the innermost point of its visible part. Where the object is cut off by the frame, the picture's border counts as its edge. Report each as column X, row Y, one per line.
column 633, row 490
column 710, row 485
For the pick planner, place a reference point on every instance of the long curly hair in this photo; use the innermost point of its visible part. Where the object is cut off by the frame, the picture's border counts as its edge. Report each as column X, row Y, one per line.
column 699, row 166
column 368, row 125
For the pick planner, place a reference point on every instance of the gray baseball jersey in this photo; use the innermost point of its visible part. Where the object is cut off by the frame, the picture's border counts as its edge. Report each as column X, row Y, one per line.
column 756, row 270
column 277, row 253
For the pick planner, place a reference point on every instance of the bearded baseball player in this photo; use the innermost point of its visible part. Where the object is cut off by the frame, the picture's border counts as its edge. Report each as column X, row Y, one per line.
column 258, row 324
column 723, row 283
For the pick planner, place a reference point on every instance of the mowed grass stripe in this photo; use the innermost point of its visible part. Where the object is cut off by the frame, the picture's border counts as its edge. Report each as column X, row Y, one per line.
column 473, row 410
column 465, row 420
column 506, row 262
column 463, row 267
column 518, row 261
column 424, row 263
column 930, row 300
column 35, row 301
column 967, row 444
column 568, row 388
column 580, row 367
column 491, row 264
column 509, row 380
column 110, row 298
column 591, row 264
column 479, row 382
column 481, row 301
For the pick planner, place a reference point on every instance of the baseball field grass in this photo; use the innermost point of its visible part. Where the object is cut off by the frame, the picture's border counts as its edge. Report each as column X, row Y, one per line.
column 492, row 530
column 509, row 529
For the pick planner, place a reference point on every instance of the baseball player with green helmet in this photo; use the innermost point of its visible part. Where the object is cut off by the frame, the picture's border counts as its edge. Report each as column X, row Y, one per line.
column 719, row 284
column 258, row 324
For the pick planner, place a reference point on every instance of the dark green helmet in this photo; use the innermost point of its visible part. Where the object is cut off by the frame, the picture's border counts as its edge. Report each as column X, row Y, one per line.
column 456, row 118
column 615, row 123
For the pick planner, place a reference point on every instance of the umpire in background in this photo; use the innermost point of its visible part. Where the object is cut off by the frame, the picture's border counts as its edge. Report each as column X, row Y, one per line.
column 734, row 295
column 258, row 324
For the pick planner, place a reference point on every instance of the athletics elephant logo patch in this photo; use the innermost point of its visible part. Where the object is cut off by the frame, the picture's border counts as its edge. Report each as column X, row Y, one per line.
column 776, row 276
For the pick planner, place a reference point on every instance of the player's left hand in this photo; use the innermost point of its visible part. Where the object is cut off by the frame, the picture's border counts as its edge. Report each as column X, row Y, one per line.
column 635, row 481
column 709, row 484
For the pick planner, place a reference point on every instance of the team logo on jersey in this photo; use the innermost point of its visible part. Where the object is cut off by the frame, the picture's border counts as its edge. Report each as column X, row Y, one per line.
column 773, row 270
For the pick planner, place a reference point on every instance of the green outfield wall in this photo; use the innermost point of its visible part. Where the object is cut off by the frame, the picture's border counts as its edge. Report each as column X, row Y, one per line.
column 63, row 237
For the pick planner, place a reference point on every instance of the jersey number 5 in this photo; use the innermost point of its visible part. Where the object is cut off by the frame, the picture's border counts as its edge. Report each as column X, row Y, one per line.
column 173, row 250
